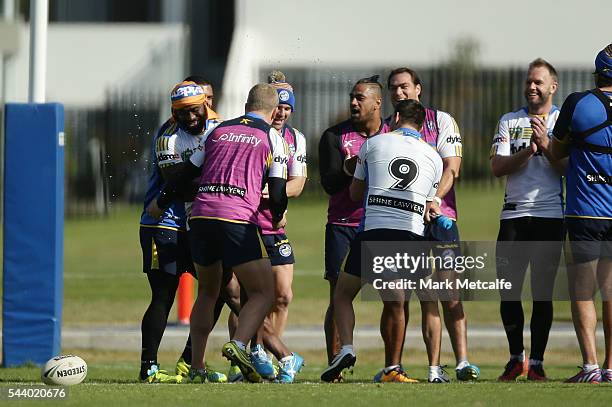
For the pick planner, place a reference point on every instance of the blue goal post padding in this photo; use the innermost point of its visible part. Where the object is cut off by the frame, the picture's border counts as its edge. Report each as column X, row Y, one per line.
column 33, row 233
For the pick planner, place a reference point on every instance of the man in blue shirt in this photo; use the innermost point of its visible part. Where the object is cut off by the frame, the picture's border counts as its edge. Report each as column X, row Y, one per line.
column 584, row 133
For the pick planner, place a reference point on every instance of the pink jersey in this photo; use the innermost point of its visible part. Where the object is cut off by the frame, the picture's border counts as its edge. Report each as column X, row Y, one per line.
column 296, row 167
column 441, row 132
column 236, row 159
column 342, row 210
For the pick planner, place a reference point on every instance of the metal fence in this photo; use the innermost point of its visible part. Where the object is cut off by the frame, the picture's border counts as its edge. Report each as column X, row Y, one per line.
column 476, row 99
column 108, row 150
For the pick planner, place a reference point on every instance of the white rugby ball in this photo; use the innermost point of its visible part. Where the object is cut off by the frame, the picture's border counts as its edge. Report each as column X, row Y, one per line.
column 64, row 370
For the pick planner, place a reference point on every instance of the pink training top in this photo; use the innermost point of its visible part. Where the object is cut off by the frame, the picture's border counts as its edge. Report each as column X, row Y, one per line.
column 342, row 210
column 237, row 158
column 296, row 167
column 441, row 132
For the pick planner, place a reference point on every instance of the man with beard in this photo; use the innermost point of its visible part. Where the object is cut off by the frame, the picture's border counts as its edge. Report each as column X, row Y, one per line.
column 338, row 150
column 235, row 160
column 532, row 212
column 397, row 174
column 442, row 133
column 164, row 241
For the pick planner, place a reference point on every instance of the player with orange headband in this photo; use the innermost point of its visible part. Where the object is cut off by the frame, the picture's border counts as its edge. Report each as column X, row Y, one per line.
column 164, row 241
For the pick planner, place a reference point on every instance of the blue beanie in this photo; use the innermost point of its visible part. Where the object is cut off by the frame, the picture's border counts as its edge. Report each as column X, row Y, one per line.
column 286, row 97
column 603, row 62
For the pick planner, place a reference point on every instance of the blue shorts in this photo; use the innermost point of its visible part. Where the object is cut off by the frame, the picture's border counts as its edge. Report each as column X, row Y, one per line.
column 444, row 242
column 231, row 243
column 338, row 240
column 279, row 249
column 590, row 239
column 166, row 250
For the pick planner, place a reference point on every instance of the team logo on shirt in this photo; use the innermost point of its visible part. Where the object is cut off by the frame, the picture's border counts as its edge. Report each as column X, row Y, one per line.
column 224, row 189
column 515, row 132
column 396, row 203
column 348, row 143
column 189, row 152
column 281, row 160
column 238, row 138
column 166, row 157
column 599, row 179
column 453, row 139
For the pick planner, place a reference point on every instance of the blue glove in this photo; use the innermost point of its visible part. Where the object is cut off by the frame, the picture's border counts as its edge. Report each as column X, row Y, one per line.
column 444, row 222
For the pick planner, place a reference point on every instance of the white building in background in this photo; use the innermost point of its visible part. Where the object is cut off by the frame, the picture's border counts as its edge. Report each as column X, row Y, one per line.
column 86, row 60
column 353, row 33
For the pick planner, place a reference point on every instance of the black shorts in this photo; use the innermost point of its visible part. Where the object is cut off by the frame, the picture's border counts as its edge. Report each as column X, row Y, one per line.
column 338, row 240
column 166, row 250
column 231, row 243
column 279, row 249
column 531, row 229
column 515, row 252
column 353, row 263
column 445, row 242
column 590, row 239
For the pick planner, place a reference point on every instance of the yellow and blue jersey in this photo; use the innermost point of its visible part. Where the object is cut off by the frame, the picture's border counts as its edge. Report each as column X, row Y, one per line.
column 171, row 145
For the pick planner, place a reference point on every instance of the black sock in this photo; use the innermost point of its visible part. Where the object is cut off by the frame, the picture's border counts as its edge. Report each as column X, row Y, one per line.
column 541, row 321
column 187, row 351
column 163, row 289
column 514, row 320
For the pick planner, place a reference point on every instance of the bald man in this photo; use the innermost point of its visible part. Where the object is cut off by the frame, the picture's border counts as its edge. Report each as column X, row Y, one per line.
column 225, row 234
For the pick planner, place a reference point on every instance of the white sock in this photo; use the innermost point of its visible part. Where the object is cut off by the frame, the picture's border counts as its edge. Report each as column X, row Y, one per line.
column 433, row 370
column 390, row 368
column 534, row 362
column 520, row 357
column 347, row 348
column 286, row 359
column 587, row 368
column 462, row 364
column 239, row 344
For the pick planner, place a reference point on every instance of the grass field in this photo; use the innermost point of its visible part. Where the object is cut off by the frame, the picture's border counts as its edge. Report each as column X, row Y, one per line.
column 103, row 282
column 104, row 285
column 111, row 380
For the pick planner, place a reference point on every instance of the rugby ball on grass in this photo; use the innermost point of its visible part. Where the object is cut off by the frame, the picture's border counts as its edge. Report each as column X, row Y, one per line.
column 64, row 370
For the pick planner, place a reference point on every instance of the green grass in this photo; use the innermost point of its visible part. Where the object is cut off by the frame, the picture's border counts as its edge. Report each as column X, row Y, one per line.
column 104, row 282
column 111, row 380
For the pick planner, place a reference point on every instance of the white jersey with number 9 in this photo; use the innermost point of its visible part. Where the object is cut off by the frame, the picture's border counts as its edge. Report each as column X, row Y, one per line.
column 402, row 172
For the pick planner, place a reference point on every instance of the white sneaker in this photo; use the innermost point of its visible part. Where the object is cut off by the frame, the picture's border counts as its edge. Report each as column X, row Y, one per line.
column 439, row 375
